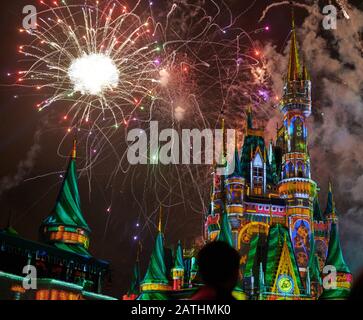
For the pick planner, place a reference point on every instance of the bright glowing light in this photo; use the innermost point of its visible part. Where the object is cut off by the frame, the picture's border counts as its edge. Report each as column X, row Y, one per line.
column 93, row 74
column 164, row 77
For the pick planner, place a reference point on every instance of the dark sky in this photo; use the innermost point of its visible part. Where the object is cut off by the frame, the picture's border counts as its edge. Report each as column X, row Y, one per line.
column 32, row 200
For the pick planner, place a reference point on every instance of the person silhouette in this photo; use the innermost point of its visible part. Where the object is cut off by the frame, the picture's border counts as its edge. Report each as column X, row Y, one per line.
column 218, row 265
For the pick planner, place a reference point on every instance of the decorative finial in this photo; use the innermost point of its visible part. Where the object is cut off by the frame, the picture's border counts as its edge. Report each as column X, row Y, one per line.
column 160, row 218
column 74, row 150
column 292, row 15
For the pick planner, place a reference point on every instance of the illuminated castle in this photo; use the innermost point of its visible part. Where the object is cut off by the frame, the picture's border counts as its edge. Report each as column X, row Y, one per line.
column 268, row 210
column 65, row 269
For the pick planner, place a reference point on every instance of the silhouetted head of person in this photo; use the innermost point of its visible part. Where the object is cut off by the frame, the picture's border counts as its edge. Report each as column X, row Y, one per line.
column 218, row 266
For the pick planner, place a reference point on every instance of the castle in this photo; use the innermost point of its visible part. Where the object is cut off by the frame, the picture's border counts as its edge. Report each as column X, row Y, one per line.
column 268, row 210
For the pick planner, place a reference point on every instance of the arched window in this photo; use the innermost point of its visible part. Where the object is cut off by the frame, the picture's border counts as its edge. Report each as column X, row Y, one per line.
column 257, row 170
column 290, row 170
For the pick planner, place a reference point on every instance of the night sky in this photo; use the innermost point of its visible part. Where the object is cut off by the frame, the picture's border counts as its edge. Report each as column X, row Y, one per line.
column 24, row 132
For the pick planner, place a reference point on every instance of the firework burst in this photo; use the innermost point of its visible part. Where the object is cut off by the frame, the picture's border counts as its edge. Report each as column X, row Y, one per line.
column 97, row 59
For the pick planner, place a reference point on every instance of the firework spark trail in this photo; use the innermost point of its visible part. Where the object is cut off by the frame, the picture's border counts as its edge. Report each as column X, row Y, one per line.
column 282, row 3
column 343, row 4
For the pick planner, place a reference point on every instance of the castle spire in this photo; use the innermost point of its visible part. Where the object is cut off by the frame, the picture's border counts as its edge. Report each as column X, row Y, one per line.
column 294, row 64
column 330, row 211
column 317, row 211
column 249, row 118
column 156, row 275
column 66, row 224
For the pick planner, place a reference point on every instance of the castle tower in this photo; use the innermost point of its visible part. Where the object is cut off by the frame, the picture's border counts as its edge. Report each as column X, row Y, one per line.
column 66, row 227
column 296, row 186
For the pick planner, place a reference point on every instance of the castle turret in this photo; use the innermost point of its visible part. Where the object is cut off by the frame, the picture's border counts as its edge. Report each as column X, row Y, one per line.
column 178, row 269
column 317, row 211
column 340, row 278
column 296, row 186
column 156, row 278
column 66, row 227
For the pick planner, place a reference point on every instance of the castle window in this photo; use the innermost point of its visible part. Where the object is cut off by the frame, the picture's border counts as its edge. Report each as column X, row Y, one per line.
column 300, row 170
column 257, row 171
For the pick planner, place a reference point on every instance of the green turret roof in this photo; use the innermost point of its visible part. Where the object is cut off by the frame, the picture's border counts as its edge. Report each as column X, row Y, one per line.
column 335, row 255
column 317, row 211
column 335, row 258
column 225, row 233
column 67, row 210
column 178, row 259
column 156, row 271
